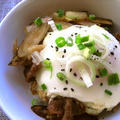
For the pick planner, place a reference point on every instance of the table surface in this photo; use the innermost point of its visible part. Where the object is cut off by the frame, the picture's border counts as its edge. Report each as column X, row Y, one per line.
column 5, row 7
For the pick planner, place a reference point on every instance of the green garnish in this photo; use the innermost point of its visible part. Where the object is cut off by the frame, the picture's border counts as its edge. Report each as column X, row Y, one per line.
column 44, row 87
column 113, row 79
column 34, row 102
column 69, row 41
column 92, row 49
column 106, row 36
column 81, row 46
column 60, row 42
column 106, row 28
column 103, row 72
column 61, row 76
column 85, row 38
column 90, row 44
column 47, row 64
column 97, row 53
column 78, row 39
column 38, row 21
column 108, row 92
column 92, row 17
column 59, row 26
column 60, row 12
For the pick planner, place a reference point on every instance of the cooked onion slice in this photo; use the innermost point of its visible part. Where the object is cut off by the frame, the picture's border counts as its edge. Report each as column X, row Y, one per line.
column 84, row 68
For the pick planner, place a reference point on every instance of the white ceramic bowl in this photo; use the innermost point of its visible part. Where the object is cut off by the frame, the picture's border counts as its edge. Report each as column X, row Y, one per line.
column 15, row 97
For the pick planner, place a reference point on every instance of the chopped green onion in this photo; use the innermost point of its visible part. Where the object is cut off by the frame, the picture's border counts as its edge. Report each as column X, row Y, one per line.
column 61, row 76
column 44, row 87
column 60, row 41
column 69, row 41
column 113, row 79
column 89, row 44
column 92, row 17
column 103, row 72
column 108, row 92
column 59, row 26
column 92, row 49
column 97, row 53
column 85, row 38
column 106, row 36
column 78, row 39
column 47, row 64
column 38, row 21
column 106, row 28
column 34, row 102
column 60, row 12
column 81, row 46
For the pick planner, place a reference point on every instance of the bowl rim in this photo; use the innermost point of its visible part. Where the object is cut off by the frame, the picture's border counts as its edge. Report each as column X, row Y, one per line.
column 17, row 6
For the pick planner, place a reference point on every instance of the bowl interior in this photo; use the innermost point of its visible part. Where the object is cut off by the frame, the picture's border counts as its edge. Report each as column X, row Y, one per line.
column 15, row 97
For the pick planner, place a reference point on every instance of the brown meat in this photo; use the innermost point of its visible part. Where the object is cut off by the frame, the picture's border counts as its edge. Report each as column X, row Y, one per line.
column 34, row 87
column 56, row 107
column 61, row 108
column 117, row 35
column 40, row 110
column 68, row 114
column 30, row 72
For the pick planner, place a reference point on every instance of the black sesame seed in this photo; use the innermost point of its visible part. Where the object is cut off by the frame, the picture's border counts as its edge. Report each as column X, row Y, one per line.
column 109, row 62
column 97, row 76
column 115, row 46
column 101, row 84
column 51, row 46
column 54, row 88
column 64, row 51
column 75, row 74
column 112, row 53
column 76, row 33
column 66, row 81
column 71, row 34
column 50, row 34
column 63, row 56
column 47, row 58
column 56, row 49
column 62, row 69
column 70, row 69
column 64, row 88
column 72, row 89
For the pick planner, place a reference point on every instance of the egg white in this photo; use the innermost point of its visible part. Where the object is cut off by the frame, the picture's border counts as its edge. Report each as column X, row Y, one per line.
column 93, row 97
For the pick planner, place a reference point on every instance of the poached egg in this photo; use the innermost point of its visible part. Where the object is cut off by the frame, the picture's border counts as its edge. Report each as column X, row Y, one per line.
column 65, row 60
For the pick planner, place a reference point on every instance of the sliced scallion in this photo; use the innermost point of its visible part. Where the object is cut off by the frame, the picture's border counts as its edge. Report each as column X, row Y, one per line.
column 61, row 76
column 59, row 26
column 113, row 79
column 103, row 72
column 69, row 41
column 108, row 92
column 60, row 12
column 44, row 87
column 38, row 21
column 92, row 17
column 81, row 46
column 60, row 42
column 106, row 36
